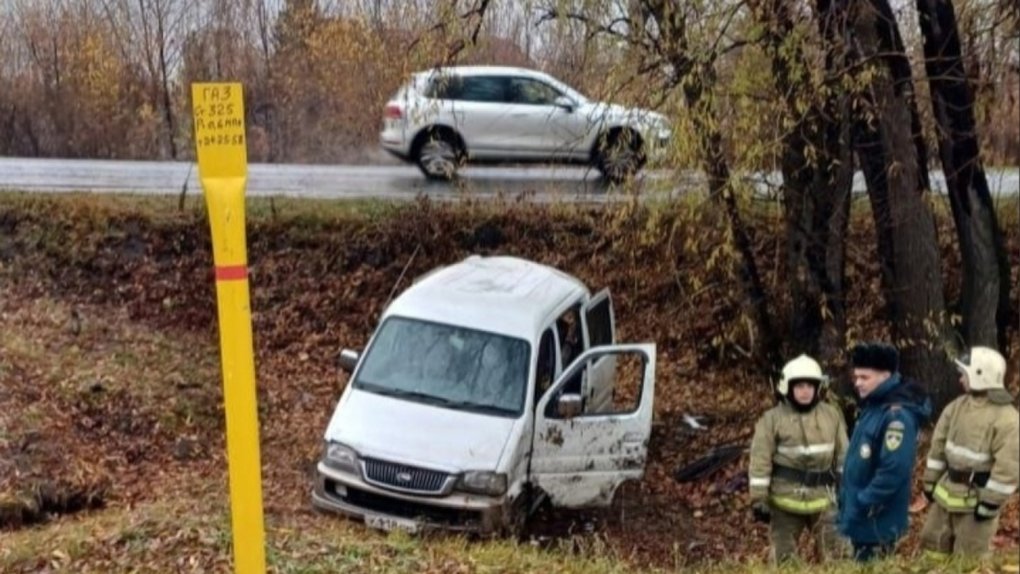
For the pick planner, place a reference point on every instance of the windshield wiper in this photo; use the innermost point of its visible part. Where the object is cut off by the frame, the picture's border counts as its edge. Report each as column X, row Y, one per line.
column 425, row 397
column 464, row 405
column 391, row 392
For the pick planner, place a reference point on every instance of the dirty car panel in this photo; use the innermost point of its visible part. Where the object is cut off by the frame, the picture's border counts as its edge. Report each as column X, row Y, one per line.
column 579, row 462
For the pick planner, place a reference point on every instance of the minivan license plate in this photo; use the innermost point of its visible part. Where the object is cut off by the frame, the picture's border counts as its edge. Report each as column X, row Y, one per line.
column 388, row 523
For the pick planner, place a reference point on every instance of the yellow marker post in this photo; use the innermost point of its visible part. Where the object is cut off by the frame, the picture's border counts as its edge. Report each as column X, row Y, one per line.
column 223, row 167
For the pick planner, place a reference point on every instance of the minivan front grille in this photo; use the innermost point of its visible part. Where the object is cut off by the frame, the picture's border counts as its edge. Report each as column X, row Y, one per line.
column 403, row 477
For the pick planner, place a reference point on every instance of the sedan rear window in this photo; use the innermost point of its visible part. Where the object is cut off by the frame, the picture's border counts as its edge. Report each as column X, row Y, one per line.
column 490, row 89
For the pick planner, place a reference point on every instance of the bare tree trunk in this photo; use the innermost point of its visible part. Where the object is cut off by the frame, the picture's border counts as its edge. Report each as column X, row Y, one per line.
column 697, row 77
column 890, row 149
column 720, row 187
column 268, row 106
column 835, row 176
column 816, row 191
column 985, row 298
column 164, row 76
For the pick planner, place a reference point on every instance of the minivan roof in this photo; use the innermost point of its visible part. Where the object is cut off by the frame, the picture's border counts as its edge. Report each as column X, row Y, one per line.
column 504, row 295
column 484, row 71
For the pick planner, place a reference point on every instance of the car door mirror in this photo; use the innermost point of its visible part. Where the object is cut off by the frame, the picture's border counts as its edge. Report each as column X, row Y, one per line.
column 569, row 405
column 348, row 360
column 565, row 103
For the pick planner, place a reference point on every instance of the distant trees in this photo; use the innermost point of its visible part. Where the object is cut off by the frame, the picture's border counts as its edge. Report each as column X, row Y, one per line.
column 108, row 78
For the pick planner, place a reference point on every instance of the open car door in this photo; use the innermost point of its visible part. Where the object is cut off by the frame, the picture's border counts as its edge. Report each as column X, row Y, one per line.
column 599, row 328
column 579, row 458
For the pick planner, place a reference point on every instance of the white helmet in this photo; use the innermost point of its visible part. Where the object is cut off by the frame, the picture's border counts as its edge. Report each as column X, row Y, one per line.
column 801, row 368
column 985, row 369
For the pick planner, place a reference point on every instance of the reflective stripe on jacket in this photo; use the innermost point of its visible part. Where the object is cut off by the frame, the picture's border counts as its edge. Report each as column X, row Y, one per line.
column 813, row 441
column 975, row 434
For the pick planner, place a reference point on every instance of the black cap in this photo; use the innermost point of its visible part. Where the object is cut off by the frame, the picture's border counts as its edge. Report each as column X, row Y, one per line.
column 878, row 356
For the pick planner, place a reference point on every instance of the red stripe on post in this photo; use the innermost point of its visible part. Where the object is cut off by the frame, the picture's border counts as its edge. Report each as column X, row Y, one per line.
column 231, row 272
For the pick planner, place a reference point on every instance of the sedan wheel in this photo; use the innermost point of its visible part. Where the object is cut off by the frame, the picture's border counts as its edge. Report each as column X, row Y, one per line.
column 620, row 159
column 439, row 159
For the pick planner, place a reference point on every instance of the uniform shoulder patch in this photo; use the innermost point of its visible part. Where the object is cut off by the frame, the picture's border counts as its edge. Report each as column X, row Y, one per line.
column 893, row 438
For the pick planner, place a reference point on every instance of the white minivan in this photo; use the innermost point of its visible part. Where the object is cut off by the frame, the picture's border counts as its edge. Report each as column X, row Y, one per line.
column 490, row 386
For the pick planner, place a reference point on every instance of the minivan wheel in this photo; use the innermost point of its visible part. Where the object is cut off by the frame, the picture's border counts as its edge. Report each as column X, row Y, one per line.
column 518, row 513
column 620, row 156
column 439, row 156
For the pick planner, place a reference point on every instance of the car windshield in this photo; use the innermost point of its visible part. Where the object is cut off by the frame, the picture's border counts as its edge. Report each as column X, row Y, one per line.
column 448, row 366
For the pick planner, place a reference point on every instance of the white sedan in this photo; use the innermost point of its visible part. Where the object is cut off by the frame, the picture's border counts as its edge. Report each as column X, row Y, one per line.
column 444, row 118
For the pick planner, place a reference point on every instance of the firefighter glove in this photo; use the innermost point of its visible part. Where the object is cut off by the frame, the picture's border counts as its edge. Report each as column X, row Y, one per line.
column 761, row 512
column 984, row 511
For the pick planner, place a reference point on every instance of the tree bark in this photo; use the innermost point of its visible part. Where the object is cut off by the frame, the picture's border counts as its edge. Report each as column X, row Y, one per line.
column 832, row 217
column 164, row 82
column 985, row 292
column 720, row 187
column 697, row 76
column 891, row 151
column 817, row 176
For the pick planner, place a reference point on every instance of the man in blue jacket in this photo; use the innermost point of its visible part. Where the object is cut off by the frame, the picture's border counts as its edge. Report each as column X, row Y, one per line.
column 875, row 492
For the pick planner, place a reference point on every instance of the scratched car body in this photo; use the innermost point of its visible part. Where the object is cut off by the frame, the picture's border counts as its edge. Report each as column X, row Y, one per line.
column 486, row 389
column 446, row 117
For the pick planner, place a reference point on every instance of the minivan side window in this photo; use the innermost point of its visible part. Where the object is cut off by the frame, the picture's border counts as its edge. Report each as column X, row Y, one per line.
column 600, row 324
column 628, row 386
column 546, row 370
column 568, row 326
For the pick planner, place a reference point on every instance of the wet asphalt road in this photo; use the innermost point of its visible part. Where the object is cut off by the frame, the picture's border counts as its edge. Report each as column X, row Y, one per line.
column 397, row 182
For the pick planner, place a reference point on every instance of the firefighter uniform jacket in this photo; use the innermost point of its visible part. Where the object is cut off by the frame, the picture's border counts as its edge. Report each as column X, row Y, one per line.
column 975, row 453
column 796, row 456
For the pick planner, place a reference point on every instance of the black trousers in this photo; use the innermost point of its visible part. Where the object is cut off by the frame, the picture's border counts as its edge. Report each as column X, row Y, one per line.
column 869, row 552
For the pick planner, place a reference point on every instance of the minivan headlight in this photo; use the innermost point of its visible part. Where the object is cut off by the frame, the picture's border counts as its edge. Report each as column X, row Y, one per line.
column 341, row 457
column 483, row 482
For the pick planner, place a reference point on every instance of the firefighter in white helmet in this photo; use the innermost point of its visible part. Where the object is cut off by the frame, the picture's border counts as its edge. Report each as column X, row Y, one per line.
column 796, row 459
column 972, row 467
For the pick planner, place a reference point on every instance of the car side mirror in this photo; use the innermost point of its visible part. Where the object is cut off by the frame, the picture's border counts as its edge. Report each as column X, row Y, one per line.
column 348, row 360
column 569, row 405
column 565, row 103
